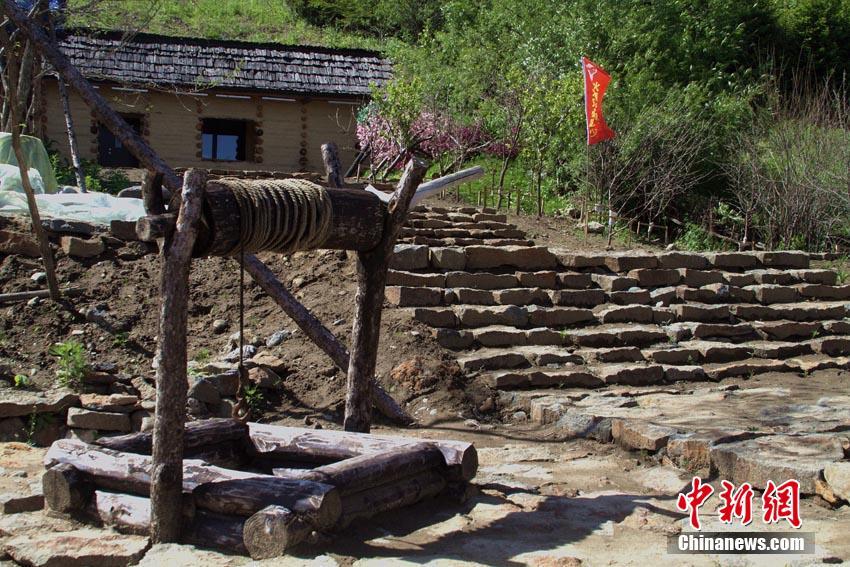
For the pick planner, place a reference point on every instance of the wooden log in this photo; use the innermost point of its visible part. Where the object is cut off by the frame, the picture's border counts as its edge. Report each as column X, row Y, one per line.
column 272, row 531
column 358, row 220
column 171, row 386
column 65, row 488
column 216, row 531
column 197, row 435
column 372, row 269
column 391, row 496
column 316, row 502
column 330, row 157
column 288, row 442
column 319, row 334
column 22, row 295
column 128, row 513
column 366, row 471
column 130, row 472
column 152, row 197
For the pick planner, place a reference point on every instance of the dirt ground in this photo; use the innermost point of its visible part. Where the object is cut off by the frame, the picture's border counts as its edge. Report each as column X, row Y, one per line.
column 538, row 499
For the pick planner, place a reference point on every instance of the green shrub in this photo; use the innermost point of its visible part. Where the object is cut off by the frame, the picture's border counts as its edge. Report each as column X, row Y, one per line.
column 72, row 364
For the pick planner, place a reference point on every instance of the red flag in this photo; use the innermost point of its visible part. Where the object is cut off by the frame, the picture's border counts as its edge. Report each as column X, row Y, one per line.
column 595, row 82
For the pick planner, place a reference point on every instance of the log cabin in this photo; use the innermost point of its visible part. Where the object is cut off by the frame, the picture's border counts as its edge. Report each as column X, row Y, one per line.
column 220, row 105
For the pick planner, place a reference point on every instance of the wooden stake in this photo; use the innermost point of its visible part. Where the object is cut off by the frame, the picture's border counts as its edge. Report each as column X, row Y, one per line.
column 13, row 69
column 371, row 280
column 330, row 157
column 152, row 193
column 171, row 386
column 319, row 334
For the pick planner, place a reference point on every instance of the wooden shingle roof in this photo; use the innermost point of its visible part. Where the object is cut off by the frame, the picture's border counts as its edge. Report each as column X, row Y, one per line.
column 193, row 63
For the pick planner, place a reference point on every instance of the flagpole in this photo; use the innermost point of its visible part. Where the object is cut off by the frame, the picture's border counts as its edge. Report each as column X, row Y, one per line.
column 586, row 156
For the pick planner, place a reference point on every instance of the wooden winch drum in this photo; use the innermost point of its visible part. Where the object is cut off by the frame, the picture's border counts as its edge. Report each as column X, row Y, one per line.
column 357, row 222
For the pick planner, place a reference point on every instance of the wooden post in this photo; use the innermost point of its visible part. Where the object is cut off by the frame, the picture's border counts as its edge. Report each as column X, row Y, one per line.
column 171, row 386
column 371, row 280
column 152, row 193
column 319, row 334
column 14, row 71
column 330, row 156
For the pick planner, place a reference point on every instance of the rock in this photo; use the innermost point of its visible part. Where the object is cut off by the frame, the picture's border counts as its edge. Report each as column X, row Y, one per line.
column 268, row 360
column 684, row 374
column 248, row 351
column 785, row 259
column 409, row 257
column 593, row 227
column 414, row 296
column 480, row 280
column 205, row 391
column 520, row 257
column 482, row 316
column 17, row 503
column 121, row 403
column 691, row 451
column 80, row 248
column 733, row 260
column 545, row 279
column 39, row 277
column 227, row 383
column 124, row 230
column 34, row 302
column 13, row 429
column 196, row 408
column 101, row 421
column 832, row 346
column 557, row 316
column 176, row 555
column 20, row 243
column 631, row 374
column 436, row 317
column 447, row 258
column 78, row 548
column 488, row 360
column 219, row 326
column 278, row 337
column 634, row 434
column 621, row 262
column 16, row 403
column 655, row 277
column 837, row 476
column 626, row 314
column 264, row 378
column 570, row 259
column 519, row 416
column 777, row 458
column 682, row 260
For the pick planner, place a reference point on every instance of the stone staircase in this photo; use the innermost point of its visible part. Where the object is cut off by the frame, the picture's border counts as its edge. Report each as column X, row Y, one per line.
column 525, row 316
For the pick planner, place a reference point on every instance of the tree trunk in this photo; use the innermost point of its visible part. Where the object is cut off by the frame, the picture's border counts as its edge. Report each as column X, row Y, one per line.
column 330, row 157
column 365, row 471
column 321, row 444
column 539, row 188
column 272, row 531
column 371, row 280
column 502, row 173
column 171, row 386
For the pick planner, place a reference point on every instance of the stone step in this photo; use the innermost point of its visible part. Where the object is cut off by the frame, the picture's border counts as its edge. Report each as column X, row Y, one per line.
column 806, row 311
column 517, row 357
column 471, row 316
column 567, row 377
column 460, row 242
column 453, row 232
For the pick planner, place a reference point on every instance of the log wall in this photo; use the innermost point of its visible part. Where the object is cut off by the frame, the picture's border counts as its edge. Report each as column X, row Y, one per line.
column 292, row 130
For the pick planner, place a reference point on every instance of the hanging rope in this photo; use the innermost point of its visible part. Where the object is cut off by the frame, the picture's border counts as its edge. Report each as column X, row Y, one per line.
column 281, row 215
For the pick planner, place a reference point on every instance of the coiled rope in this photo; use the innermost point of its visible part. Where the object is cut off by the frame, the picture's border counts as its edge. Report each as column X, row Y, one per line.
column 276, row 216
column 280, row 215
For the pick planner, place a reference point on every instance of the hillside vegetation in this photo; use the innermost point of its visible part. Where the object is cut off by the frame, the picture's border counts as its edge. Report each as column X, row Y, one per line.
column 731, row 117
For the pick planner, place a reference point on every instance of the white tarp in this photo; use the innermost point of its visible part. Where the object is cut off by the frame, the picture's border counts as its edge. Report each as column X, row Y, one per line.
column 97, row 208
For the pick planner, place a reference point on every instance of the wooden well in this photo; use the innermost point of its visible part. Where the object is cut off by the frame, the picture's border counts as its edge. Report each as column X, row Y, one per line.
column 254, row 488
